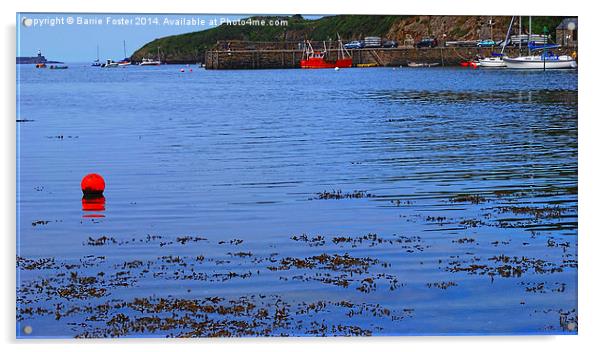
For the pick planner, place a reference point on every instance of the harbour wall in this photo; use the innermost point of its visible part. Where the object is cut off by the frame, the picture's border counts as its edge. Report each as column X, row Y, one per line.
column 291, row 58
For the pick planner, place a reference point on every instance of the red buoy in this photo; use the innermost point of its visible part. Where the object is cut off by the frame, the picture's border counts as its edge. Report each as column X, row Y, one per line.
column 93, row 185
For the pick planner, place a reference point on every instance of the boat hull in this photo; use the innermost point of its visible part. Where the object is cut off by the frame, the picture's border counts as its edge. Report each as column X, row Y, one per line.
column 537, row 63
column 321, row 63
column 492, row 62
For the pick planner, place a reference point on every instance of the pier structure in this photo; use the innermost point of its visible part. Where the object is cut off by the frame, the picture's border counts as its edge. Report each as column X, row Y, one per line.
column 260, row 55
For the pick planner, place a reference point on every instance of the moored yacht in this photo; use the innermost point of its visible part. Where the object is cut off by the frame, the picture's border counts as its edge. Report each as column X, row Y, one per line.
column 541, row 62
column 544, row 61
column 110, row 64
column 492, row 61
column 149, row 62
column 497, row 60
column 152, row 62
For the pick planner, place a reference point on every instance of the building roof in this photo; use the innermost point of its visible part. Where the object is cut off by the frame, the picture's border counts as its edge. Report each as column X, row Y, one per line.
column 565, row 23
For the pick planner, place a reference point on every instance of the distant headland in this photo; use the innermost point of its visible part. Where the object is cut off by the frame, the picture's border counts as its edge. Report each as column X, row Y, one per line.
column 39, row 59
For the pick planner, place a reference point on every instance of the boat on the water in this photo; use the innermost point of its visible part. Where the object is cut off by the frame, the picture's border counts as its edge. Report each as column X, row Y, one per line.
column 547, row 60
column 110, row 64
column 470, row 63
column 318, row 58
column 58, row 67
column 41, row 65
column 492, row 61
column 96, row 62
column 497, row 60
column 423, row 64
column 149, row 62
column 541, row 62
column 126, row 60
column 544, row 61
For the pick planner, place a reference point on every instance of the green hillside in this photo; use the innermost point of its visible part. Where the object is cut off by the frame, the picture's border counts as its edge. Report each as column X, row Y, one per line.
column 190, row 47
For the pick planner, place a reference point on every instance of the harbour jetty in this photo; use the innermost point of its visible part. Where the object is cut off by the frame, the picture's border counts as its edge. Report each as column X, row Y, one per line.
column 252, row 56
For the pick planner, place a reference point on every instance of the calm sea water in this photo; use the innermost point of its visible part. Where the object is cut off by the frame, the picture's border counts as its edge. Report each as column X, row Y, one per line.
column 457, row 211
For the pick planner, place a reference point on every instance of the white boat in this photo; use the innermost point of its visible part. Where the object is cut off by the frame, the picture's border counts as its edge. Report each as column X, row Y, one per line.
column 422, row 64
column 497, row 60
column 541, row 62
column 544, row 61
column 110, row 64
column 149, row 62
column 96, row 62
column 493, row 61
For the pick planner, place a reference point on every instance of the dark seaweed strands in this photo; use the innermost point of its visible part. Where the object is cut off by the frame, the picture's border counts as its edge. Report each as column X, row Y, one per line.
column 505, row 266
column 113, row 322
column 409, row 243
column 67, row 292
column 338, row 194
column 528, row 216
column 259, row 315
column 255, row 315
column 106, row 240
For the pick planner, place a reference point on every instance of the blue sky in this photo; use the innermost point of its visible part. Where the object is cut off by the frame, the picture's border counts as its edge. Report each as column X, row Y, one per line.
column 58, row 40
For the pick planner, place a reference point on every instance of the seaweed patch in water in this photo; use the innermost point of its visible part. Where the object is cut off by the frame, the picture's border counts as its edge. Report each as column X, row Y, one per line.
column 537, row 212
column 338, row 194
column 468, row 198
column 506, row 266
column 254, row 315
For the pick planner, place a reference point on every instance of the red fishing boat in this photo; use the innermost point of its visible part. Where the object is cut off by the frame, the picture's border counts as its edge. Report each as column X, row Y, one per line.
column 317, row 58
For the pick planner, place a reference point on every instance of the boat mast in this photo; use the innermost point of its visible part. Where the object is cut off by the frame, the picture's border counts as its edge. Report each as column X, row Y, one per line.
column 507, row 34
column 529, row 40
column 342, row 48
column 97, row 53
column 545, row 44
column 520, row 34
column 124, row 52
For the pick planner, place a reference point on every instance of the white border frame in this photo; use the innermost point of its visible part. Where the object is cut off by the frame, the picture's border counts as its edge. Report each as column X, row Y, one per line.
column 589, row 174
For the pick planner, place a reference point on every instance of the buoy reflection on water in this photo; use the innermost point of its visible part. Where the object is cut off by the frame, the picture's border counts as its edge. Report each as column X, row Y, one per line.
column 93, row 205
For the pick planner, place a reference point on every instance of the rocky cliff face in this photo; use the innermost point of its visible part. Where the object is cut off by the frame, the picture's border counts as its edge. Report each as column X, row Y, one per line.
column 450, row 28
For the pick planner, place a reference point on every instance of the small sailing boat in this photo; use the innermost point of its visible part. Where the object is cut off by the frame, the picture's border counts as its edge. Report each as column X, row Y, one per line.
column 497, row 60
column 126, row 60
column 96, row 62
